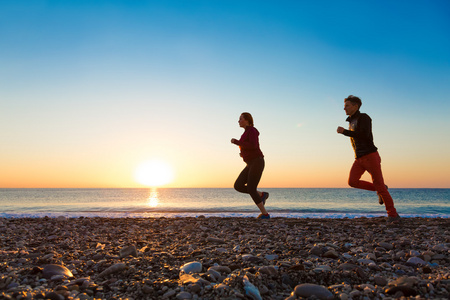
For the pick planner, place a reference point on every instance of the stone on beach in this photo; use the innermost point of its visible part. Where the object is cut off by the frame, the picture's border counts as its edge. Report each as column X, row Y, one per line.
column 347, row 266
column 331, row 254
column 56, row 270
column 216, row 240
column 316, row 250
column 322, row 268
column 193, row 279
column 405, row 290
column 251, row 290
column 214, row 275
column 380, row 280
column 414, row 261
column 220, row 269
column 183, row 296
column 365, row 261
column 251, row 258
column 128, row 251
column 116, row 268
column 271, row 257
column 308, row 290
column 404, row 281
column 268, row 270
column 385, row 245
column 192, row 267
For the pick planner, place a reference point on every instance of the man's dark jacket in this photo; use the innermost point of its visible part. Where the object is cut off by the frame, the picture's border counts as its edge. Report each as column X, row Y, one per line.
column 360, row 133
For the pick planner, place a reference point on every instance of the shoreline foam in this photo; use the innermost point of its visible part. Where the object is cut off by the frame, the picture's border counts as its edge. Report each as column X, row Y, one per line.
column 138, row 215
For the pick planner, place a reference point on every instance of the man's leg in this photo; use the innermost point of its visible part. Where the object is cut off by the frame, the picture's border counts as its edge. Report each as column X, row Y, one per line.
column 373, row 166
column 356, row 172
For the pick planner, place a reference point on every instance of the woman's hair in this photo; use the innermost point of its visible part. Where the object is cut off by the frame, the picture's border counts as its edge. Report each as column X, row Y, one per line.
column 354, row 100
column 247, row 116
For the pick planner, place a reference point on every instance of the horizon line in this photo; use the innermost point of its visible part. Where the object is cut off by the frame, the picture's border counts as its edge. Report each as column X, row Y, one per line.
column 165, row 187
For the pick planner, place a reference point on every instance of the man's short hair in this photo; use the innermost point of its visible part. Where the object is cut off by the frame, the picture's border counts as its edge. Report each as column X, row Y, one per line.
column 354, row 100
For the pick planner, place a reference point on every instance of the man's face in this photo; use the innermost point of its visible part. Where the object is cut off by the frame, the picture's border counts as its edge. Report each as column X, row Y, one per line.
column 350, row 108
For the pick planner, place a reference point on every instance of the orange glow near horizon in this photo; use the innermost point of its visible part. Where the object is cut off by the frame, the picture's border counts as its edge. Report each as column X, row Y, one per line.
column 202, row 170
column 203, row 175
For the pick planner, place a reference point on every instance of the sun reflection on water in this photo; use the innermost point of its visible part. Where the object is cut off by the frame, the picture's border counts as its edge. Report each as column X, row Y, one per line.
column 153, row 200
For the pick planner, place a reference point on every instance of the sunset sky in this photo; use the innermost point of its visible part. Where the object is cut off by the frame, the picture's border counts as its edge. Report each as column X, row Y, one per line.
column 90, row 90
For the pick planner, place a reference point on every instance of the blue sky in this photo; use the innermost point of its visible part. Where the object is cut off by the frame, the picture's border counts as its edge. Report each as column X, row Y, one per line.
column 88, row 89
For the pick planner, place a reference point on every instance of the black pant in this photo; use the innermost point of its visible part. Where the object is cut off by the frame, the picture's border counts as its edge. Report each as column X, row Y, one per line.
column 248, row 180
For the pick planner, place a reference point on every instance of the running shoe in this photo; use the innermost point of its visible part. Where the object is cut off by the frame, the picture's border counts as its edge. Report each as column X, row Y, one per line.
column 393, row 220
column 263, row 217
column 380, row 198
column 264, row 197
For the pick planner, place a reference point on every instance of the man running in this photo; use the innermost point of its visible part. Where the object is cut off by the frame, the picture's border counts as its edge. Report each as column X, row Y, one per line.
column 367, row 157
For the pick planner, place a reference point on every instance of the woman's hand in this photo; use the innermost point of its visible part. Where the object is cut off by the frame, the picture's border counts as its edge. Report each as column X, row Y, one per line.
column 233, row 141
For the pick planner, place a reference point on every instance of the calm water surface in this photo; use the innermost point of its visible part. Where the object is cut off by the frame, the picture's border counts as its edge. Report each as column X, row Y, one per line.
column 292, row 202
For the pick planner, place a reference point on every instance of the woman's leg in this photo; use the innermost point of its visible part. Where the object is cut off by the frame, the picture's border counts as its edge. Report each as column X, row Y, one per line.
column 240, row 184
column 262, row 208
column 256, row 168
column 247, row 182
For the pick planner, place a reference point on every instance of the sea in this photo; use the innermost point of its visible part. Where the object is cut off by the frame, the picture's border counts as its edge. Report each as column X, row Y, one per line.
column 218, row 202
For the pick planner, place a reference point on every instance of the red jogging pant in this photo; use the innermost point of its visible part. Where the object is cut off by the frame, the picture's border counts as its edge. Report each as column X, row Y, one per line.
column 372, row 164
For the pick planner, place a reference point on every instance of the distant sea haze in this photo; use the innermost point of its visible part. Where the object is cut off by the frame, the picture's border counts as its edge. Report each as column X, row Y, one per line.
column 222, row 202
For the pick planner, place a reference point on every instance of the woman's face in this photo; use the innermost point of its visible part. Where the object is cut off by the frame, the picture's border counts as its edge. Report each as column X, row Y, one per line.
column 242, row 122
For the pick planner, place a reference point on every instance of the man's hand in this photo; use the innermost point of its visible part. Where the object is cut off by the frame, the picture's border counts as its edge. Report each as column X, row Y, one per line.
column 233, row 141
column 340, row 129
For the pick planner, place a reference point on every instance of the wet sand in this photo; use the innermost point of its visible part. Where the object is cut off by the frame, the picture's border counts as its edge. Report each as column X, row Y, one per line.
column 224, row 258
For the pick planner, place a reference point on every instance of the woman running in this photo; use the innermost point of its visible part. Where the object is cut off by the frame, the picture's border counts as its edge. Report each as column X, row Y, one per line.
column 248, row 180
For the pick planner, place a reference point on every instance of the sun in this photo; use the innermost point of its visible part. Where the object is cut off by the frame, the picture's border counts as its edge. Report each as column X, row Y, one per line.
column 154, row 173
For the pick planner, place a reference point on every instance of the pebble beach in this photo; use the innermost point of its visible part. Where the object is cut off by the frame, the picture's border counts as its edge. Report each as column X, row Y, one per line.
column 224, row 258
